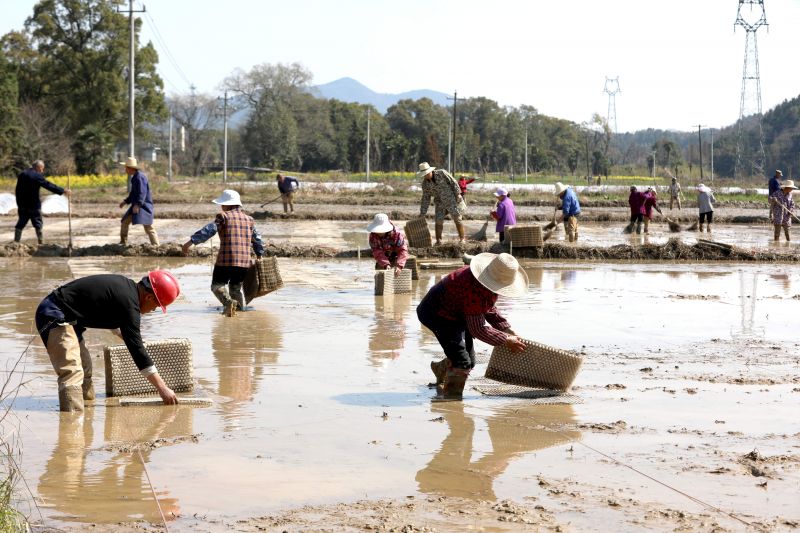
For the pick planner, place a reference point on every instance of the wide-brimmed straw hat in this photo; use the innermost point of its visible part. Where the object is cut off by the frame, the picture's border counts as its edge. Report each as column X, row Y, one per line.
column 501, row 191
column 788, row 184
column 380, row 224
column 500, row 273
column 424, row 168
column 131, row 162
column 228, row 197
column 560, row 187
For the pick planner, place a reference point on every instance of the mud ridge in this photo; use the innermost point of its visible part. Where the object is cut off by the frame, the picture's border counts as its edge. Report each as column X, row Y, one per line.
column 672, row 250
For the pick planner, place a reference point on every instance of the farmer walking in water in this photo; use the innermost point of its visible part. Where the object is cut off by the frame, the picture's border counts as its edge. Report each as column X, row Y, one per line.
column 439, row 185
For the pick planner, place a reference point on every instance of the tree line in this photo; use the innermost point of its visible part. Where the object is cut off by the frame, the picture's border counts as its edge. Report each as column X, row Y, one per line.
column 63, row 98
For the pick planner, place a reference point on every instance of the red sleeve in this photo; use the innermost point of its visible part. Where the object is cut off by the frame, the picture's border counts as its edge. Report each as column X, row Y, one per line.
column 402, row 252
column 377, row 252
column 477, row 327
column 494, row 318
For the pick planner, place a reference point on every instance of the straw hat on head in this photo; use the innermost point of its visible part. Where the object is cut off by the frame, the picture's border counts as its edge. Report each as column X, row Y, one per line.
column 560, row 187
column 500, row 273
column 424, row 168
column 228, row 197
column 788, row 184
column 380, row 224
column 131, row 162
column 501, row 191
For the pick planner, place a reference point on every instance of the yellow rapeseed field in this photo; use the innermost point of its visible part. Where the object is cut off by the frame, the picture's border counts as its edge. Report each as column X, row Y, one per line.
column 87, row 181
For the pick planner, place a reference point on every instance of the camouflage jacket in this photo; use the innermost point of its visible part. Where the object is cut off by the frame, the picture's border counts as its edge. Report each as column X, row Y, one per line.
column 445, row 192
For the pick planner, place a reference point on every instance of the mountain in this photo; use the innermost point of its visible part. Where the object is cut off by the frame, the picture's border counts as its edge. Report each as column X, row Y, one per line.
column 350, row 90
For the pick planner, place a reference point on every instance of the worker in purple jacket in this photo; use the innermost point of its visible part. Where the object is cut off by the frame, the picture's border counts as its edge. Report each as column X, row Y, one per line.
column 504, row 212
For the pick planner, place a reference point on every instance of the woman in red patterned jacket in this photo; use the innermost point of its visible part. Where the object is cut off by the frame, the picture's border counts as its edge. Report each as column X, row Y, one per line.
column 237, row 233
column 388, row 244
column 457, row 308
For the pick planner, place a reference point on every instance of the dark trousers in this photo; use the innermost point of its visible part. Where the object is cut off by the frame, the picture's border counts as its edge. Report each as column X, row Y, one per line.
column 225, row 275
column 636, row 217
column 24, row 215
column 708, row 216
column 452, row 335
column 49, row 315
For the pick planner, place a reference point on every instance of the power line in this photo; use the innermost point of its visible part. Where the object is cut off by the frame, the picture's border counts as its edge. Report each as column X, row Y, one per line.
column 167, row 52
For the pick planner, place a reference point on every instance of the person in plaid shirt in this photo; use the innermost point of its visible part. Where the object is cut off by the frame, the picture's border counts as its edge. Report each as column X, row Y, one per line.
column 388, row 244
column 237, row 233
column 782, row 207
column 443, row 188
column 457, row 309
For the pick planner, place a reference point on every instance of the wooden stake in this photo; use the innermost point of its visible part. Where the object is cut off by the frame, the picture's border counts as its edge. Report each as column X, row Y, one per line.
column 69, row 214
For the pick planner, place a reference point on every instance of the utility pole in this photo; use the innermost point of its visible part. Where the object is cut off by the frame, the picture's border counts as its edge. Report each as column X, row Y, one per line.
column 453, row 143
column 449, row 145
column 369, row 113
column 700, row 144
column 712, row 155
column 132, row 75
column 169, row 149
column 654, row 167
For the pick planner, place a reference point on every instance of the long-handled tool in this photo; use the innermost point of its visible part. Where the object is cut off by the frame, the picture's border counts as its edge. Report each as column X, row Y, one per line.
column 269, row 202
column 480, row 235
column 69, row 215
column 790, row 213
column 552, row 224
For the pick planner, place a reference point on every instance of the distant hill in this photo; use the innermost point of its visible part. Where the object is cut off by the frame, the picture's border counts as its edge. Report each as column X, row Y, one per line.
column 350, row 90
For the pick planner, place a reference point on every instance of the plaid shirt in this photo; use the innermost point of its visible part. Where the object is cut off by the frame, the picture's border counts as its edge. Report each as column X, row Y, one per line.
column 466, row 300
column 237, row 232
column 445, row 192
column 389, row 249
column 781, row 216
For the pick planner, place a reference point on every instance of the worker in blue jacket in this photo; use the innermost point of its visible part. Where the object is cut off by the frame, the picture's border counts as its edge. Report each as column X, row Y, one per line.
column 140, row 201
column 29, row 205
column 570, row 209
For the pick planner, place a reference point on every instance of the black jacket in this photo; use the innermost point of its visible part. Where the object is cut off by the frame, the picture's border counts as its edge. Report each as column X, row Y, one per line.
column 27, row 191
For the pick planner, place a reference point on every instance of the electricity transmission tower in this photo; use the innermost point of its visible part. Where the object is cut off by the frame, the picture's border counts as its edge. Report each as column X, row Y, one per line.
column 751, row 17
column 612, row 89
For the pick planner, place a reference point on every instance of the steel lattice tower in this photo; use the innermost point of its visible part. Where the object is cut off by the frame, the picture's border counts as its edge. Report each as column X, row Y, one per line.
column 611, row 88
column 751, row 17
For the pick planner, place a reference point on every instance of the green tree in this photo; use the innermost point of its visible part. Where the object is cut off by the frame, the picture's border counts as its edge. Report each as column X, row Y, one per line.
column 9, row 115
column 73, row 57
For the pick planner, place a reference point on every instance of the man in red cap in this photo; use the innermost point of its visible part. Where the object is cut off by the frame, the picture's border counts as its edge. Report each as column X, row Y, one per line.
column 103, row 301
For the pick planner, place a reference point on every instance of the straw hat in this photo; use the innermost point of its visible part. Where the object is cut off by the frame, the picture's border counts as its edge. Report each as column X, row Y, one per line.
column 228, row 197
column 788, row 184
column 380, row 224
column 778, row 173
column 560, row 187
column 500, row 273
column 424, row 168
column 131, row 162
column 501, row 191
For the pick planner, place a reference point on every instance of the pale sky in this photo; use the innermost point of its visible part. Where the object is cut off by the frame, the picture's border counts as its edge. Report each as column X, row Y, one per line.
column 679, row 62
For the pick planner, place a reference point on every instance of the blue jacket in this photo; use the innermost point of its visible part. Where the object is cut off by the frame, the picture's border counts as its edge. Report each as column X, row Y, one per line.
column 27, row 190
column 774, row 184
column 569, row 204
column 140, row 195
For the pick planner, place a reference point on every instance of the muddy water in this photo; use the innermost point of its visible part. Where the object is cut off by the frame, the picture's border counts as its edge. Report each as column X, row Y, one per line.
column 320, row 396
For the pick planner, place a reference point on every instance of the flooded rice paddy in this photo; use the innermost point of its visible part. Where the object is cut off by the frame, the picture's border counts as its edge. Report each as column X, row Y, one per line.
column 320, row 397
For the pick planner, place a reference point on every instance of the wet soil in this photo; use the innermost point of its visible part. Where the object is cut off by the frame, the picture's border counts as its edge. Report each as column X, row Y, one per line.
column 322, row 419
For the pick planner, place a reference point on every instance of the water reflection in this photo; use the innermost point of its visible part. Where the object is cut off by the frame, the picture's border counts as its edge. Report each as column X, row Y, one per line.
column 388, row 331
column 119, row 490
column 242, row 347
column 514, row 430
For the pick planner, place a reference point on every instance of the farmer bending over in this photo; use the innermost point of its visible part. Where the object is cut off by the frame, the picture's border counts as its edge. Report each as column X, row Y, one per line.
column 388, row 244
column 457, row 308
column 570, row 209
column 103, row 301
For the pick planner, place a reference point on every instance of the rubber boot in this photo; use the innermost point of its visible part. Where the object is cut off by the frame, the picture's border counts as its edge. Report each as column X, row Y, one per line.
column 221, row 293
column 700, row 228
column 647, row 225
column 777, row 233
column 235, row 290
column 440, row 370
column 230, row 308
column 17, row 235
column 70, row 398
column 638, row 228
column 453, row 388
column 460, row 230
column 88, row 389
column 438, row 228
column 786, row 232
column 39, row 236
column 708, row 227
